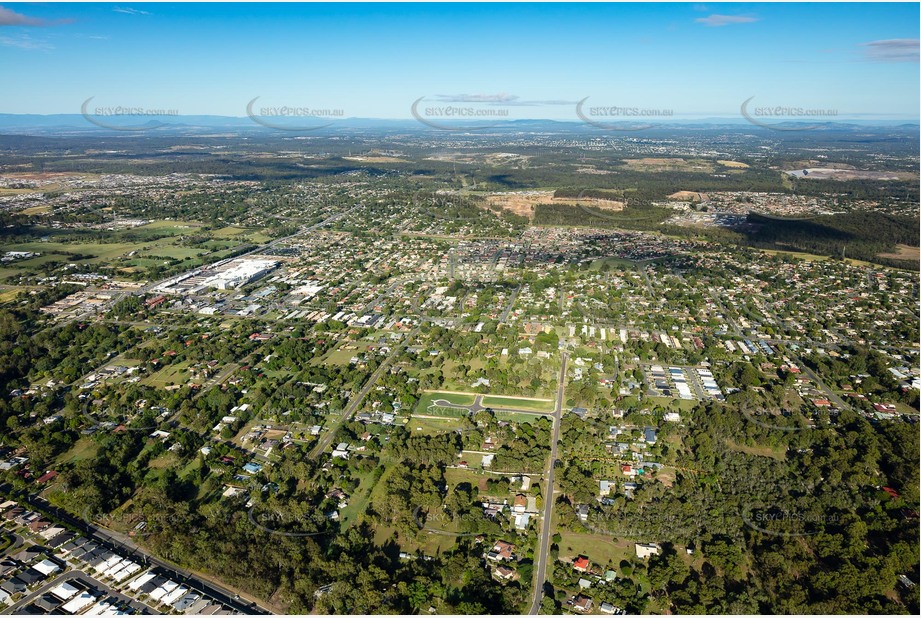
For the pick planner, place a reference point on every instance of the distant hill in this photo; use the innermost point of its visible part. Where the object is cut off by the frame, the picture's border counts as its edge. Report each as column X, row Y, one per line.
column 68, row 124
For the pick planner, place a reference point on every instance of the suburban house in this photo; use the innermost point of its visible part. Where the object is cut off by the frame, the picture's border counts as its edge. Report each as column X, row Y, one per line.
column 501, row 551
column 605, row 487
column 644, row 550
column 582, row 604
column 504, row 573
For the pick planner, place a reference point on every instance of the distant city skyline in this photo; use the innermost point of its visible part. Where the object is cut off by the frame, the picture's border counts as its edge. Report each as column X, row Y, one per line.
column 537, row 61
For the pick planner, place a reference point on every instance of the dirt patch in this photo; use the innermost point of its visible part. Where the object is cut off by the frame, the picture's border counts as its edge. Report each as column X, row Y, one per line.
column 523, row 203
column 375, row 159
column 737, row 164
column 758, row 451
column 688, row 196
column 832, row 173
column 652, row 164
column 41, row 175
column 903, row 252
column 36, row 210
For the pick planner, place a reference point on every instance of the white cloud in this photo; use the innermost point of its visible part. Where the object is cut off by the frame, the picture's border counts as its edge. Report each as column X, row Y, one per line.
column 478, row 98
column 892, row 50
column 508, row 100
column 129, row 11
column 724, row 20
column 24, row 42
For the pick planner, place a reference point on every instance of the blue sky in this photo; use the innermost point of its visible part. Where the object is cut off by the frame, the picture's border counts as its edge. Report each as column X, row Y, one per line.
column 535, row 60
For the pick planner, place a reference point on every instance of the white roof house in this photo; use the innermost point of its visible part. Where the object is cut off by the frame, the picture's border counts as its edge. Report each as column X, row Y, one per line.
column 64, row 591
column 46, row 567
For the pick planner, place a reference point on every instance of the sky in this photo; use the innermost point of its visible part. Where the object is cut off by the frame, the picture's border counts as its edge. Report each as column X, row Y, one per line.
column 540, row 60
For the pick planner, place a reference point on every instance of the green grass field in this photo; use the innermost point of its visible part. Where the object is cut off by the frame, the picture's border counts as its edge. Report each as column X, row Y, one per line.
column 684, row 405
column 340, row 356
column 517, row 417
column 456, row 476
column 360, row 498
column 84, row 448
column 599, row 548
column 427, row 400
column 158, row 239
column 445, row 411
column 497, row 401
column 431, row 426
column 175, row 374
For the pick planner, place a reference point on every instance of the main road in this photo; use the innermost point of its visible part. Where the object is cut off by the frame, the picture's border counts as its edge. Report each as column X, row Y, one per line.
column 327, row 439
column 122, row 544
column 540, row 572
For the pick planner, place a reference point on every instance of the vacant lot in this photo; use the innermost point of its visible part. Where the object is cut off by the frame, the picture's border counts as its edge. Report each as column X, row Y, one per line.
column 518, row 403
column 650, row 164
column 903, row 252
column 599, row 548
column 427, row 401
column 433, row 426
column 523, row 203
column 171, row 374
column 688, row 196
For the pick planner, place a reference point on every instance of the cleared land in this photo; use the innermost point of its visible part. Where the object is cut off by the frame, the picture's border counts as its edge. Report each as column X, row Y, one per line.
column 903, row 252
column 518, row 403
column 651, row 164
column 523, row 203
column 688, row 196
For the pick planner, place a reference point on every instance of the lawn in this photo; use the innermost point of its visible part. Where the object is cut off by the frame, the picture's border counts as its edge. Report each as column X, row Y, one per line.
column 171, row 374
column 456, row 476
column 431, row 426
column 775, row 452
column 683, row 405
column 166, row 460
column 361, row 497
column 498, row 401
column 447, row 412
column 517, row 417
column 340, row 356
column 228, row 232
column 84, row 448
column 599, row 548
column 8, row 295
column 99, row 251
column 427, row 400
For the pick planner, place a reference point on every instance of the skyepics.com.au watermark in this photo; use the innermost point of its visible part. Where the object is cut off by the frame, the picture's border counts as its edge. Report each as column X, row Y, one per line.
column 636, row 526
column 125, row 118
column 134, row 524
column 786, row 522
column 445, row 206
column 461, row 112
column 619, row 117
column 294, row 118
column 785, row 117
column 269, row 521
column 441, row 523
column 291, row 524
column 779, row 421
column 139, row 424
